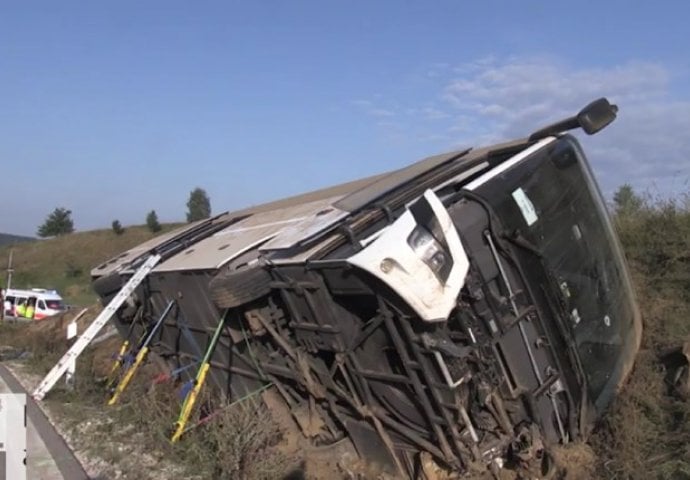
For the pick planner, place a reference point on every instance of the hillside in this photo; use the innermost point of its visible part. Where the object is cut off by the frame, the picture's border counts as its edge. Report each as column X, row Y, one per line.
column 64, row 262
column 8, row 239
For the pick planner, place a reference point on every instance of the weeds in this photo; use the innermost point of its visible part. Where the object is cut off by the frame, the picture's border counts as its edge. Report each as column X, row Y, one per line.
column 237, row 443
column 646, row 433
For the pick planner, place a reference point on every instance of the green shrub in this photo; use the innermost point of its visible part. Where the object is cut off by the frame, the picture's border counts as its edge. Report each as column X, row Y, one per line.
column 646, row 433
column 117, row 227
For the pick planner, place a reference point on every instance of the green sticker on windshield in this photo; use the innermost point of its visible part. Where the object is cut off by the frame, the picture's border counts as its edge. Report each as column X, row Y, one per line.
column 526, row 206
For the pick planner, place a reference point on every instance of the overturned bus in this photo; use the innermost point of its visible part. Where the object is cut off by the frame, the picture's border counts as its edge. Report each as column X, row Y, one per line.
column 474, row 307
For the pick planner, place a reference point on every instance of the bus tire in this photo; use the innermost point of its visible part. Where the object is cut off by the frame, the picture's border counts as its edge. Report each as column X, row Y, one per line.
column 108, row 285
column 232, row 289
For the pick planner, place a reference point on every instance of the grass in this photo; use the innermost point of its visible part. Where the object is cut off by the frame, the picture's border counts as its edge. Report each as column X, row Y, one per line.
column 65, row 262
column 131, row 439
column 647, row 431
column 238, row 443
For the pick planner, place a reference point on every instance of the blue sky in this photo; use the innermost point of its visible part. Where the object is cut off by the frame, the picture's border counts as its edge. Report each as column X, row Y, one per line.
column 112, row 109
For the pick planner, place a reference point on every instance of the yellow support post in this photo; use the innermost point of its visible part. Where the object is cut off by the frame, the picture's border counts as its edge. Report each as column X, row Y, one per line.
column 141, row 355
column 117, row 363
column 189, row 402
column 124, row 348
column 128, row 376
column 199, row 380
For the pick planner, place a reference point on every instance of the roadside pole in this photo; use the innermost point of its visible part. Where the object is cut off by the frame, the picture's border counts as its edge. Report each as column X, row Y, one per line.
column 72, row 367
column 3, row 292
column 9, row 270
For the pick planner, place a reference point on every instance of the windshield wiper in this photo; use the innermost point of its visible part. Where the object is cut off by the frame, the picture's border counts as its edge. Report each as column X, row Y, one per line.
column 561, row 313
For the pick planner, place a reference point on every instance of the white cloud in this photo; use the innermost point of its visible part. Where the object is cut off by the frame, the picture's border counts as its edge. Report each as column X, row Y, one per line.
column 361, row 103
column 380, row 112
column 647, row 146
column 494, row 99
column 516, row 91
column 431, row 113
column 372, row 109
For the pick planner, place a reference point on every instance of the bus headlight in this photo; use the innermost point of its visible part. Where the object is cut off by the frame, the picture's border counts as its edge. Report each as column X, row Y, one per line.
column 431, row 252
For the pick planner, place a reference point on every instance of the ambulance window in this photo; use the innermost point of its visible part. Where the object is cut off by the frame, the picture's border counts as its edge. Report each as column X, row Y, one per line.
column 10, row 299
column 55, row 304
column 41, row 305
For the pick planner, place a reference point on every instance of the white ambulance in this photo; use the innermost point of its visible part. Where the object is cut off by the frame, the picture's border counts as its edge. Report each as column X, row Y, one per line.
column 36, row 304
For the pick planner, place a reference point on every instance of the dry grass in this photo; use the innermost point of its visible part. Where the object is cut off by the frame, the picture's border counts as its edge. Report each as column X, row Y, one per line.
column 647, row 431
column 238, row 442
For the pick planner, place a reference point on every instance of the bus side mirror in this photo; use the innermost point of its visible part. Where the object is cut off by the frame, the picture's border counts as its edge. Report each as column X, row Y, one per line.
column 596, row 115
column 591, row 119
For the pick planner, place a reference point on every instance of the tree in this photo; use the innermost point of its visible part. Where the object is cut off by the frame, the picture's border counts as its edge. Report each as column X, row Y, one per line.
column 57, row 223
column 152, row 222
column 626, row 201
column 117, row 227
column 198, row 205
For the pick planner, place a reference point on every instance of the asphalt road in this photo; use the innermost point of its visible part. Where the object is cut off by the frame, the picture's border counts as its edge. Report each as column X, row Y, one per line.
column 48, row 456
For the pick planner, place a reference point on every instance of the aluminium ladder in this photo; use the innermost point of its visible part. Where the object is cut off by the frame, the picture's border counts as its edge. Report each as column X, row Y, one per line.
column 90, row 333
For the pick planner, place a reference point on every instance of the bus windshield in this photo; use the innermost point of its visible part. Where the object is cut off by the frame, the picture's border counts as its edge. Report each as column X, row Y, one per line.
column 554, row 203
